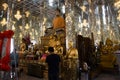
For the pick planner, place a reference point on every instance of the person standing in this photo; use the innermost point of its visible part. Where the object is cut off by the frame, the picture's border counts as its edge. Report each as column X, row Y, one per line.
column 14, row 59
column 53, row 61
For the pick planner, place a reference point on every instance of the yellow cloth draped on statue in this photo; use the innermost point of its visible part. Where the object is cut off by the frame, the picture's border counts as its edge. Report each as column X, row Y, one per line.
column 58, row 22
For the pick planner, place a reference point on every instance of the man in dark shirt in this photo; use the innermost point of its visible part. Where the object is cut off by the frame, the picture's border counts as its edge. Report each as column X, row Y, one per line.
column 53, row 61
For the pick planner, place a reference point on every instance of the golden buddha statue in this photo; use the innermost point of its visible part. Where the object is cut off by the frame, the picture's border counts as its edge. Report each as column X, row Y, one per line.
column 52, row 41
column 72, row 52
column 58, row 48
column 58, row 21
column 22, row 46
column 72, row 60
column 108, row 58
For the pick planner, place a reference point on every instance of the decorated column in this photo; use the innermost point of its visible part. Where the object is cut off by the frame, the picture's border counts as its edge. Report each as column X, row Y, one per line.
column 70, row 28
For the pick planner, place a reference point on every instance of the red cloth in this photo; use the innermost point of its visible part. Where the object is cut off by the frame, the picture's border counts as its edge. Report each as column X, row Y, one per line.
column 1, row 41
column 4, row 61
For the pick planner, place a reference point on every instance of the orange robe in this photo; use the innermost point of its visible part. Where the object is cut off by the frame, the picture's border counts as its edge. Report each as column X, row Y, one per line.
column 58, row 22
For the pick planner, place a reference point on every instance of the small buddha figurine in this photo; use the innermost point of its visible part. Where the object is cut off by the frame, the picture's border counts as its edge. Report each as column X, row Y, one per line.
column 72, row 52
column 58, row 48
column 23, row 46
column 52, row 41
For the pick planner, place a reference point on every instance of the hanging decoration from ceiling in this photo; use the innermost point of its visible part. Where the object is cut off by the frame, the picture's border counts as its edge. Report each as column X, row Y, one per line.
column 27, row 26
column 5, row 6
column 27, row 13
column 18, row 16
column 3, row 22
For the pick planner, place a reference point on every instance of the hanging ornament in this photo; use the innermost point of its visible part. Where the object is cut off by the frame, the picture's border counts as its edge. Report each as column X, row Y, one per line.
column 83, row 8
column 27, row 13
column 5, row 6
column 27, row 26
column 85, row 23
column 3, row 22
column 18, row 15
column 117, row 4
column 13, row 27
column 118, row 18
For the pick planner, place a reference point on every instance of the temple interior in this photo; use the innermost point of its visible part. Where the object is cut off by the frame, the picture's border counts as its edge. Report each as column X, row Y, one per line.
column 85, row 34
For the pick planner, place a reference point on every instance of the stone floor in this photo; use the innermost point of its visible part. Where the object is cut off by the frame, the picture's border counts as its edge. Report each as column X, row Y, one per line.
column 107, row 77
column 102, row 76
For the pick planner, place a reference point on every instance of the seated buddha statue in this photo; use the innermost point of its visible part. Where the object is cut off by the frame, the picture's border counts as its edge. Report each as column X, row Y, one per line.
column 107, row 58
column 58, row 21
column 72, row 52
column 52, row 41
column 58, row 48
column 58, row 24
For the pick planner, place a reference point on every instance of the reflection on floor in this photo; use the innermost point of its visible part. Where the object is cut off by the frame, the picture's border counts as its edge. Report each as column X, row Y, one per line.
column 103, row 76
